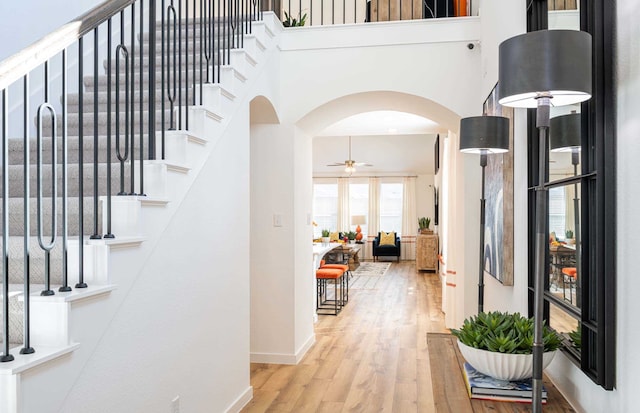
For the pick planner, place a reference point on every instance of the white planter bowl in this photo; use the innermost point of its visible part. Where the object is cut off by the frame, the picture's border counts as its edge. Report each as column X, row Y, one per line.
column 500, row 365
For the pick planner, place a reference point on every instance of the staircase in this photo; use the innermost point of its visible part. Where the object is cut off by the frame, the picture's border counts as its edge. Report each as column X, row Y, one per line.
column 67, row 327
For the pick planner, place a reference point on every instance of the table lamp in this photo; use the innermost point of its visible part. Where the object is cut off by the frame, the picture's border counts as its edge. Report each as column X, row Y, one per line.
column 537, row 70
column 358, row 220
column 483, row 135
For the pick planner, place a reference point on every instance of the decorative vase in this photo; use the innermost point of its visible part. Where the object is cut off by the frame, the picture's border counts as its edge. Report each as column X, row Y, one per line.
column 503, row 366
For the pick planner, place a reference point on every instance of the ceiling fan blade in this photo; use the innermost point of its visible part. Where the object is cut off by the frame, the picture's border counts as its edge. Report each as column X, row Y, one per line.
column 362, row 164
column 337, row 164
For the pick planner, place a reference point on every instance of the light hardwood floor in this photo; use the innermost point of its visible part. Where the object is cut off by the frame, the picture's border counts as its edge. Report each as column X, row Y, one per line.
column 372, row 357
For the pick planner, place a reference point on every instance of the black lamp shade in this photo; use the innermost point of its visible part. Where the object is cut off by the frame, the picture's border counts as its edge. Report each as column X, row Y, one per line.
column 553, row 63
column 564, row 133
column 489, row 134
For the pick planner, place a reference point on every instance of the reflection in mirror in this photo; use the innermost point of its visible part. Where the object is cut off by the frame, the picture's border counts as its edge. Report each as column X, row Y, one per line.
column 564, row 145
column 567, row 326
column 564, row 243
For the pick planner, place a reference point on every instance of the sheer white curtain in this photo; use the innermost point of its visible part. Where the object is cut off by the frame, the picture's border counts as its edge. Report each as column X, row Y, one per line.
column 409, row 219
column 344, row 220
column 374, row 213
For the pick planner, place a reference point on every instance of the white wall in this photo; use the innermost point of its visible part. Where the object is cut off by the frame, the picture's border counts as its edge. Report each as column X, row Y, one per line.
column 429, row 59
column 494, row 28
column 40, row 17
column 183, row 327
column 424, row 197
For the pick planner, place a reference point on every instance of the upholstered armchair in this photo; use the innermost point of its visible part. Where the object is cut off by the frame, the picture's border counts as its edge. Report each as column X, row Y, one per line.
column 386, row 250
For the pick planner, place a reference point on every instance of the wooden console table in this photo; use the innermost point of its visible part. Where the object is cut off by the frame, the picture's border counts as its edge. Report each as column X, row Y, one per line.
column 450, row 390
column 350, row 250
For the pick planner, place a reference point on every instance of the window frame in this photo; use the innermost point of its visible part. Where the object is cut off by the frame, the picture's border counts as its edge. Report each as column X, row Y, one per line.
column 597, row 358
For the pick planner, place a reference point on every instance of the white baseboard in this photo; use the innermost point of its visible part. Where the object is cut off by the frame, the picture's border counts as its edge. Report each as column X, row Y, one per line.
column 280, row 358
column 302, row 351
column 241, row 401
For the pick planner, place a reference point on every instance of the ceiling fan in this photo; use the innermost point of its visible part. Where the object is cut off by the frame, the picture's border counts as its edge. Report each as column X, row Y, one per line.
column 350, row 164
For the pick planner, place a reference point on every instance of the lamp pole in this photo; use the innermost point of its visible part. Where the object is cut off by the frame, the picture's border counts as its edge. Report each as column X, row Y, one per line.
column 483, row 165
column 483, row 135
column 541, row 194
column 575, row 159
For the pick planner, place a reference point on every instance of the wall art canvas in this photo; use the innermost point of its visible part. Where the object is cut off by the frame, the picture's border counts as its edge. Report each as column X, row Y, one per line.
column 498, row 245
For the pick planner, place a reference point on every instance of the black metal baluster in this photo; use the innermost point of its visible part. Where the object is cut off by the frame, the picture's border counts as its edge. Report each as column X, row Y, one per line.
column 141, row 101
column 6, row 356
column 206, row 52
column 164, row 26
column 80, row 283
column 203, row 45
column 179, row 73
column 122, row 50
column 217, row 28
column 321, row 12
column 193, row 94
column 152, row 80
column 109, row 235
column 95, row 137
column 171, row 58
column 224, row 31
column 47, row 247
column 132, row 156
column 186, row 65
column 65, row 192
column 26, row 349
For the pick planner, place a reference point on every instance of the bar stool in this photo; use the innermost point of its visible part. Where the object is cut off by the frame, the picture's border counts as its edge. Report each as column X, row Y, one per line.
column 569, row 275
column 323, row 275
column 345, row 280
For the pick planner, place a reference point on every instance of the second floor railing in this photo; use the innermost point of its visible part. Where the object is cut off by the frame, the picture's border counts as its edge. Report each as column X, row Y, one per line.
column 327, row 12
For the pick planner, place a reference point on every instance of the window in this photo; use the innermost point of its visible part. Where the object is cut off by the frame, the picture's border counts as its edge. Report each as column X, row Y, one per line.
column 359, row 204
column 557, row 212
column 391, row 207
column 580, row 288
column 325, row 208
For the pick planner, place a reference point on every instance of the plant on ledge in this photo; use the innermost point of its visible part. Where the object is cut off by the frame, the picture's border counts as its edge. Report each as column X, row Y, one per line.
column 504, row 333
column 289, row 22
column 326, row 233
column 500, row 344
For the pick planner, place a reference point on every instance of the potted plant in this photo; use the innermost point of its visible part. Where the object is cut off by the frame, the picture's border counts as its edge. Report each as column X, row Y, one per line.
column 569, row 236
column 325, row 235
column 423, row 224
column 500, row 344
column 289, row 22
column 352, row 236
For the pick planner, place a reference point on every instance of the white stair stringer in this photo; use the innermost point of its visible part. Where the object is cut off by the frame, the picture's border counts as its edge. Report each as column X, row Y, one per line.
column 52, row 378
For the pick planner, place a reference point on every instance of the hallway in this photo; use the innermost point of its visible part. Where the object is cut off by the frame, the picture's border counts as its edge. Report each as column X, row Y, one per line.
column 371, row 357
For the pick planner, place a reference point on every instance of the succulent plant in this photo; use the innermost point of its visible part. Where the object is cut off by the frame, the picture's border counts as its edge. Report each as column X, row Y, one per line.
column 326, row 233
column 424, row 223
column 576, row 337
column 504, row 333
column 569, row 234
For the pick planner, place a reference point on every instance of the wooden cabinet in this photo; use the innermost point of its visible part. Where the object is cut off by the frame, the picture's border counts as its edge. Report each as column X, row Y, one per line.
column 427, row 252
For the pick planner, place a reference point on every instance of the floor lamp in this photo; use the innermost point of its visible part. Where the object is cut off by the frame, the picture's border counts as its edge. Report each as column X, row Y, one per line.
column 537, row 70
column 483, row 135
column 565, row 135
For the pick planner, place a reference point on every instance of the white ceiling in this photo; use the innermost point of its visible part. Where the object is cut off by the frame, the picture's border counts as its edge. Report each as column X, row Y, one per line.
column 395, row 143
